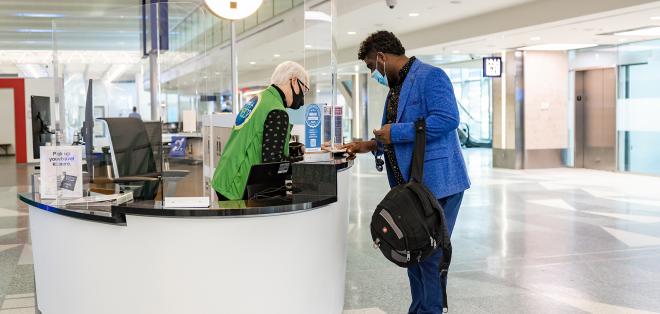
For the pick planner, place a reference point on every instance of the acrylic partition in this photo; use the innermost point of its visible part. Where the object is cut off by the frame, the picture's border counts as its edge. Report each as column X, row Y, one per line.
column 171, row 63
column 196, row 73
column 97, row 74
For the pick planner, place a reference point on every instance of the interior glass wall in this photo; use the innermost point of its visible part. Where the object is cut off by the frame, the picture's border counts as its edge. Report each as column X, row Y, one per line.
column 638, row 108
column 638, row 101
column 473, row 94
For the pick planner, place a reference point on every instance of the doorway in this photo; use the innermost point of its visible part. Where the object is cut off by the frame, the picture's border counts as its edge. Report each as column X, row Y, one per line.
column 595, row 119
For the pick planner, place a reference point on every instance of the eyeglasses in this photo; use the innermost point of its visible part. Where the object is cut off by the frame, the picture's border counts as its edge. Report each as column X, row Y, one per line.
column 305, row 88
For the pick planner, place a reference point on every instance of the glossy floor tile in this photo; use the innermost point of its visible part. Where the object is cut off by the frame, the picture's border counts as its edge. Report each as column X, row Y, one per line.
column 534, row 241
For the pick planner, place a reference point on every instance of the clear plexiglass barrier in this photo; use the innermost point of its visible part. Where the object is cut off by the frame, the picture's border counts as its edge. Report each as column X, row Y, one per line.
column 140, row 98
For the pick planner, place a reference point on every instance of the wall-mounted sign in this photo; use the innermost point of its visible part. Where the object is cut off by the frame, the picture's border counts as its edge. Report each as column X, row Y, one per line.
column 178, row 147
column 61, row 171
column 313, row 116
column 492, row 67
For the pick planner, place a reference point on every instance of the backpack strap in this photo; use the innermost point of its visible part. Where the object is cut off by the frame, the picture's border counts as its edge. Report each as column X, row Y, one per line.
column 417, row 167
column 445, row 245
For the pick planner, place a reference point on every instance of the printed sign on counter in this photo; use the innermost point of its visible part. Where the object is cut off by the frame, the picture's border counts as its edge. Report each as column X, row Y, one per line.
column 327, row 126
column 339, row 125
column 61, row 171
column 313, row 128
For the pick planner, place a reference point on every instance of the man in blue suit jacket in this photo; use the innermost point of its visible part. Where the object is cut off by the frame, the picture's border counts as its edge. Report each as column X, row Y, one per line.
column 417, row 90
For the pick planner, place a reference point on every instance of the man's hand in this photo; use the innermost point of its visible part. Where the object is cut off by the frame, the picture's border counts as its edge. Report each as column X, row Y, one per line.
column 383, row 135
column 359, row 148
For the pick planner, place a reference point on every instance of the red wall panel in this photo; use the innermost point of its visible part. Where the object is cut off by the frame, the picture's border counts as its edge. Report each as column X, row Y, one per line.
column 18, row 85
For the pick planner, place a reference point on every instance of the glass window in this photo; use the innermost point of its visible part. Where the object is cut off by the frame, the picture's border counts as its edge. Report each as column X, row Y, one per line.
column 265, row 11
column 250, row 21
column 282, row 6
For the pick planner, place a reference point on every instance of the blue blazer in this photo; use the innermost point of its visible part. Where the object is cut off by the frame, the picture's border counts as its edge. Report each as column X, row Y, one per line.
column 427, row 93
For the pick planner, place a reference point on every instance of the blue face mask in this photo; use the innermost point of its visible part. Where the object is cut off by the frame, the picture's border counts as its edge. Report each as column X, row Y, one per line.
column 380, row 78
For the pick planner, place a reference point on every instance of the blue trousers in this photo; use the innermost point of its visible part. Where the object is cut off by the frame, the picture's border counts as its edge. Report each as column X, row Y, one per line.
column 424, row 277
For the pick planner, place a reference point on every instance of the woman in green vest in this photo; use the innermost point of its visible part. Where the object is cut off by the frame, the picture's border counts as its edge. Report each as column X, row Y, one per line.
column 262, row 131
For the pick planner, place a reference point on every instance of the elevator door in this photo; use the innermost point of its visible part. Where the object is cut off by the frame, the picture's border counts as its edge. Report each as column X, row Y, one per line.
column 595, row 119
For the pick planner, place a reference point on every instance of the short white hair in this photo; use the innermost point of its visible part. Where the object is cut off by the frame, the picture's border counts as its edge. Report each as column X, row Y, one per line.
column 288, row 70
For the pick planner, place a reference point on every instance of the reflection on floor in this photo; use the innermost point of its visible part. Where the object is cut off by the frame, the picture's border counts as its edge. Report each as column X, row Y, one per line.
column 536, row 241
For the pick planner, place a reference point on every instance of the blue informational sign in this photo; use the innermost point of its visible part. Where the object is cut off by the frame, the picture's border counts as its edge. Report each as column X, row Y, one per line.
column 313, row 117
column 178, row 147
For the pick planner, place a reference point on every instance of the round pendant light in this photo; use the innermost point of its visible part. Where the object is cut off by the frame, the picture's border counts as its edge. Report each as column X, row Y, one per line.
column 233, row 9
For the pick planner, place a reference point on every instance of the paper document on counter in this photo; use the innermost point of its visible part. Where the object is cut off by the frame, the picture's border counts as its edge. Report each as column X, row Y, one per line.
column 187, row 202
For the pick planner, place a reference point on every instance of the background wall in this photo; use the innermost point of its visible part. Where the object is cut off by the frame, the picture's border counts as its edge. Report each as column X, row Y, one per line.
column 546, row 101
column 7, row 133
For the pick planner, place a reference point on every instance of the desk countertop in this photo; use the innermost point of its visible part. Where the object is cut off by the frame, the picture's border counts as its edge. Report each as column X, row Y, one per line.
column 315, row 178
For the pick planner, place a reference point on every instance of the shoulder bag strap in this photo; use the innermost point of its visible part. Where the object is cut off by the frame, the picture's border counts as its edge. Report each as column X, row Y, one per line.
column 417, row 167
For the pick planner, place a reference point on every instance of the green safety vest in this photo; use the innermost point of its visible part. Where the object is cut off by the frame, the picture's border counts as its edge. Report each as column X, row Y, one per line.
column 243, row 149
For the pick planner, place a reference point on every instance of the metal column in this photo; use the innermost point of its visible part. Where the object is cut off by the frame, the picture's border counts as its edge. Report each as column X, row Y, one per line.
column 234, row 70
column 154, row 84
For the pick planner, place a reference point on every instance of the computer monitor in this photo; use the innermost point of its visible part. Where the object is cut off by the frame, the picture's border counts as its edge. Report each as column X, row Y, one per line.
column 267, row 180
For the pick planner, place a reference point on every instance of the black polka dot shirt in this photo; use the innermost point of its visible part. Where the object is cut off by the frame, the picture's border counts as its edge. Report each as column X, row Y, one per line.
column 275, row 129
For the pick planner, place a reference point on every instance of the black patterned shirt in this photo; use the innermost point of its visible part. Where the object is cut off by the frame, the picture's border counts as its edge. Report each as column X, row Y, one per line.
column 391, row 115
column 274, row 136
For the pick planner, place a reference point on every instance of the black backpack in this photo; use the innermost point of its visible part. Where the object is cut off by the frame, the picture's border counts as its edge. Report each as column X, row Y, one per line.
column 409, row 224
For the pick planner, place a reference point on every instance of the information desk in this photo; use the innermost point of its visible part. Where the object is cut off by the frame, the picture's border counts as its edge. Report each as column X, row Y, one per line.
column 276, row 255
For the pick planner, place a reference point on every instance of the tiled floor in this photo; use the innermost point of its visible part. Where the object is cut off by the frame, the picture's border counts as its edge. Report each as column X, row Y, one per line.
column 538, row 241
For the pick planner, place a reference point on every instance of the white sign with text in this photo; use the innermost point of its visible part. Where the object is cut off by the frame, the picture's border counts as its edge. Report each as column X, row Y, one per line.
column 61, row 171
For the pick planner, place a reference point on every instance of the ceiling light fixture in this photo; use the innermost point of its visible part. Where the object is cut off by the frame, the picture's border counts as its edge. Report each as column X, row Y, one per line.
column 233, row 9
column 456, row 51
column 317, row 16
column 414, row 14
column 276, row 56
column 644, row 31
column 43, row 15
column 32, row 70
column 351, row 33
column 557, row 47
column 252, row 63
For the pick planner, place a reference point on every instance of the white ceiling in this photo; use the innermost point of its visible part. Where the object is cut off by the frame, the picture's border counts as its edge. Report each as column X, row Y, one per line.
column 377, row 16
column 592, row 29
column 98, row 25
